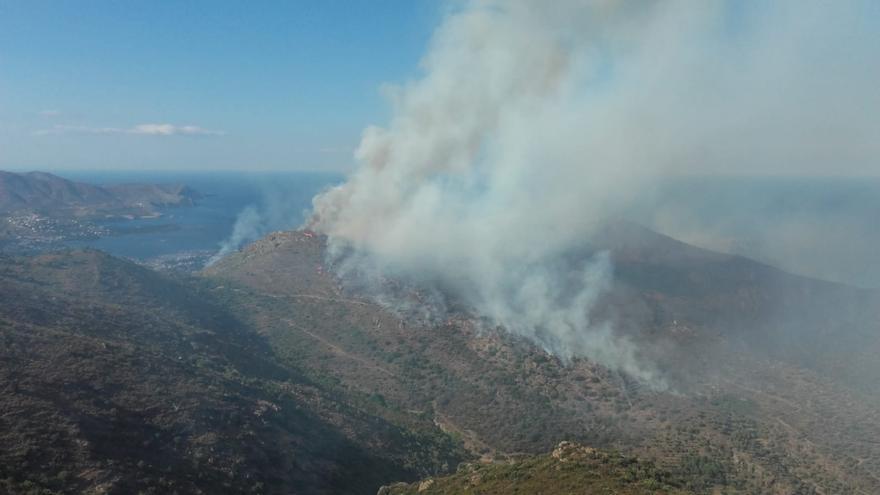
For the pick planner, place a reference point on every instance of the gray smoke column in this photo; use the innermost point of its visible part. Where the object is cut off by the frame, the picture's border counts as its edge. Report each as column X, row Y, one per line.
column 534, row 121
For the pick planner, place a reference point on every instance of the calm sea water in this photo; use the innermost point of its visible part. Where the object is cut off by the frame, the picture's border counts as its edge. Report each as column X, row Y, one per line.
column 276, row 201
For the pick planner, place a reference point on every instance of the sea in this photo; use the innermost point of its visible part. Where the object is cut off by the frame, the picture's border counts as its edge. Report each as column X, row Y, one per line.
column 256, row 203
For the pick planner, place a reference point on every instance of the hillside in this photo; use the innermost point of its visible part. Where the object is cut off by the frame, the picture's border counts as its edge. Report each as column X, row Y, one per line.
column 769, row 371
column 116, row 379
column 267, row 374
column 828, row 328
column 47, row 194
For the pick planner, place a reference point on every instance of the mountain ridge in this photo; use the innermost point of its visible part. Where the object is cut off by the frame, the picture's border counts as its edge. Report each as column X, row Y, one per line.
column 51, row 195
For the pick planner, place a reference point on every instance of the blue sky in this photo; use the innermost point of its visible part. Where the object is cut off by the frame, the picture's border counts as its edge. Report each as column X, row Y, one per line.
column 200, row 84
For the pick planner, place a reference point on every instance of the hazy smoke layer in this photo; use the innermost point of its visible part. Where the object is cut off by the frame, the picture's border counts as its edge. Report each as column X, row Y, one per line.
column 820, row 227
column 534, row 121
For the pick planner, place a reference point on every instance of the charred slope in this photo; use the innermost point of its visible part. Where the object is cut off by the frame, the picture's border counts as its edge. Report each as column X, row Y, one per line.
column 116, row 379
column 753, row 416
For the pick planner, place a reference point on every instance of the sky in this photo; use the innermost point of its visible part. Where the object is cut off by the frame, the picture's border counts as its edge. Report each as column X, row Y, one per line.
column 196, row 85
column 292, row 85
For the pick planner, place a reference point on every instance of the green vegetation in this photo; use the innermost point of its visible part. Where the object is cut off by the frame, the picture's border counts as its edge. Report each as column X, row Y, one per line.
column 570, row 469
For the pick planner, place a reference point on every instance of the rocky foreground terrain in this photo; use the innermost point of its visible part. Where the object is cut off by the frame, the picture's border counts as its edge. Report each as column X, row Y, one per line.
column 268, row 374
column 570, row 468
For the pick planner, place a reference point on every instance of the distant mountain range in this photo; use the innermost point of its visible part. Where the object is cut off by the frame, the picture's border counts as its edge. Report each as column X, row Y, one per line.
column 50, row 195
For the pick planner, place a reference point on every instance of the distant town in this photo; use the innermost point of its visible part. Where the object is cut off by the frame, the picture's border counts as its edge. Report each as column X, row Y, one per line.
column 41, row 211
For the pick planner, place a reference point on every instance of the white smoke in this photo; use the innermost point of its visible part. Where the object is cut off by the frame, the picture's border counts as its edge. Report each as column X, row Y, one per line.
column 535, row 121
column 249, row 224
column 281, row 203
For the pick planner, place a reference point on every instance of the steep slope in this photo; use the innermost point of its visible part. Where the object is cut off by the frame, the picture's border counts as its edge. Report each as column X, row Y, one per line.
column 116, row 379
column 746, row 412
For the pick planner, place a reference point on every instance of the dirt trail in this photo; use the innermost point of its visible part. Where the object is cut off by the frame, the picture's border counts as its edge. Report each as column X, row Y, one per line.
column 795, row 406
column 320, row 298
column 338, row 350
column 472, row 442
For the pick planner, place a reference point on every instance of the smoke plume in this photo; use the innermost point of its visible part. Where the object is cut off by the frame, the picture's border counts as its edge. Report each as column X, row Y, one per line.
column 274, row 202
column 534, row 122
